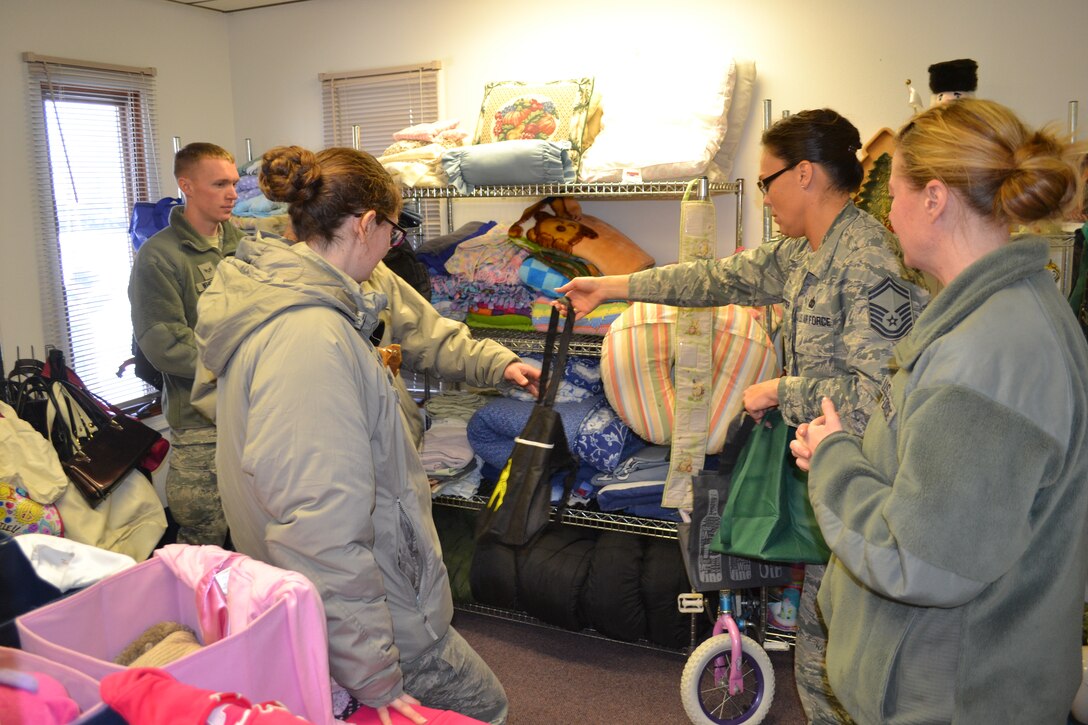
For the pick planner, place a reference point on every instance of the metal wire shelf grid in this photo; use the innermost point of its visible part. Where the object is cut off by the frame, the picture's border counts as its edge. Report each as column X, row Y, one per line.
column 582, row 517
column 613, row 190
column 533, row 342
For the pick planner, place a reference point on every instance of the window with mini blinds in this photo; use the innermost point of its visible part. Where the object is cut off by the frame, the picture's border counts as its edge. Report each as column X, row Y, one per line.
column 363, row 109
column 92, row 130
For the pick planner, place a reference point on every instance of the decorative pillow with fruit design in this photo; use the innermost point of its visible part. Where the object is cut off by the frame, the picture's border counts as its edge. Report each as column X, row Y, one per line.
column 551, row 111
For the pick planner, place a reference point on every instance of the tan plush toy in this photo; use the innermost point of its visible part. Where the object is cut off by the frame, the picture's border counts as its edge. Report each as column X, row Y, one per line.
column 559, row 224
column 158, row 645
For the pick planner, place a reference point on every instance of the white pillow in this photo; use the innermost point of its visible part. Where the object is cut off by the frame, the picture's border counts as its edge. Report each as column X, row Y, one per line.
column 738, row 112
column 675, row 130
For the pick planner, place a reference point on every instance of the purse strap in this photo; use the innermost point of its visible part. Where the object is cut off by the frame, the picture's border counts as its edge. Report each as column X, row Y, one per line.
column 549, row 384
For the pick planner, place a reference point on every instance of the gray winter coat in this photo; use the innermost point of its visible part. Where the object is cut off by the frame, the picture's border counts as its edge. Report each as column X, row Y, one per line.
column 317, row 471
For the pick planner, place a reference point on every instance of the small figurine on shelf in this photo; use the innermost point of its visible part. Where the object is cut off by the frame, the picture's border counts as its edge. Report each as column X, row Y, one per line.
column 951, row 80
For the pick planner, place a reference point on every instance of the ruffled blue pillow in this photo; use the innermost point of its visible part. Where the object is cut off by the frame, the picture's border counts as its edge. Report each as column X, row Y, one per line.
column 527, row 161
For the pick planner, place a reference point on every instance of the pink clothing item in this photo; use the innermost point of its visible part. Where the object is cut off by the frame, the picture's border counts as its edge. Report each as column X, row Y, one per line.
column 148, row 696
column 369, row 716
column 489, row 258
column 49, row 705
column 270, row 645
column 78, row 687
column 233, row 590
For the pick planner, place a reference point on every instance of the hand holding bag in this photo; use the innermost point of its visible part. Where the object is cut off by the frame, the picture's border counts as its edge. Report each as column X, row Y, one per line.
column 768, row 515
column 520, row 505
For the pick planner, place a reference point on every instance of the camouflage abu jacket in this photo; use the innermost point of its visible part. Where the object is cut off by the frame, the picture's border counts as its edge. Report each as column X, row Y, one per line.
column 846, row 304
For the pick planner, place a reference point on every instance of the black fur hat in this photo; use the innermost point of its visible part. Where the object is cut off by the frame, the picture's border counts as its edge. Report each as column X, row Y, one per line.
column 954, row 75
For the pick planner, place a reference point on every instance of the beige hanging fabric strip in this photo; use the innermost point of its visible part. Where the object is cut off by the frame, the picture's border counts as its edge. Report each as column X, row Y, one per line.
column 692, row 366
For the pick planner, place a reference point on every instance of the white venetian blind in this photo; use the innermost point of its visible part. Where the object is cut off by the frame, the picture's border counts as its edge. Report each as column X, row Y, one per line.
column 92, row 128
column 381, row 102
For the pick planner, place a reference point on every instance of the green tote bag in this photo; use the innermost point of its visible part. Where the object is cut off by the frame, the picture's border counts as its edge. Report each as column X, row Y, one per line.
column 768, row 515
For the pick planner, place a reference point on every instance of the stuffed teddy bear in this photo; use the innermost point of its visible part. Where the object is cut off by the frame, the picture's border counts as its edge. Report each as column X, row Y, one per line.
column 559, row 224
column 158, row 645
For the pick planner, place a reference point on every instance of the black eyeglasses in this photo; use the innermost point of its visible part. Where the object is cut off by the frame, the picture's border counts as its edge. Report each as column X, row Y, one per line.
column 765, row 184
column 398, row 235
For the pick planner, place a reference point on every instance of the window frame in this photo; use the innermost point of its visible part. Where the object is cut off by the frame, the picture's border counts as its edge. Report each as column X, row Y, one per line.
column 130, row 91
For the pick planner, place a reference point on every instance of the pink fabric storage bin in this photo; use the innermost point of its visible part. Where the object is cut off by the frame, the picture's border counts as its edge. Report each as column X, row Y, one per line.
column 273, row 644
column 81, row 688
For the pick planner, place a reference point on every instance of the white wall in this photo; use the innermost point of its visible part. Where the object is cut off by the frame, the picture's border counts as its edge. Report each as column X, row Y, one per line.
column 191, row 51
column 852, row 55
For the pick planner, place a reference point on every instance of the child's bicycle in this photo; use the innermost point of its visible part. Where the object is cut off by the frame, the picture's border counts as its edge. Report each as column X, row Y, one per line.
column 728, row 679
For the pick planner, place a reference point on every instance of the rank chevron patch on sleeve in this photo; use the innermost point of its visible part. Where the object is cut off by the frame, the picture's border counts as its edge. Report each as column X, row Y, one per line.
column 890, row 313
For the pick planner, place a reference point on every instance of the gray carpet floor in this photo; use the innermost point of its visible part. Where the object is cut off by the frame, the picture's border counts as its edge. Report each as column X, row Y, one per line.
column 555, row 677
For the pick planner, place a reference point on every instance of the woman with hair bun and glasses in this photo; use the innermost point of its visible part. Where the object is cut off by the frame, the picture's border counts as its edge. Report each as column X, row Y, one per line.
column 318, row 472
column 957, row 525
column 848, row 299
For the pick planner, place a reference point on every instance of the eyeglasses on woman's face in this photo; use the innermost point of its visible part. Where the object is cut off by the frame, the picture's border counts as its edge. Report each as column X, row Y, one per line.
column 398, row 235
column 765, row 183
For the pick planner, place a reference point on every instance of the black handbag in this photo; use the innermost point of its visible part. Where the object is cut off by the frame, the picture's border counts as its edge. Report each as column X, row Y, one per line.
column 97, row 444
column 520, row 505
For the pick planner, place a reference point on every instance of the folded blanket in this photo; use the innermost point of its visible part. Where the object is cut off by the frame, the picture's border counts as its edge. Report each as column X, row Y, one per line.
column 259, row 205
column 597, row 322
column 445, row 446
column 596, row 436
column 247, row 183
column 488, row 258
column 638, row 483
column 499, row 322
column 466, row 295
column 489, row 474
column 466, row 231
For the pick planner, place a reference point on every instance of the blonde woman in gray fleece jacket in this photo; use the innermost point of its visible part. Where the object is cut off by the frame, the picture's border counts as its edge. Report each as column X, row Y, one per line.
column 317, row 470
column 958, row 522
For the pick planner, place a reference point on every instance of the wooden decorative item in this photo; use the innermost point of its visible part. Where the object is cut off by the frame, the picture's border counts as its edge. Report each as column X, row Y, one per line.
column 877, row 164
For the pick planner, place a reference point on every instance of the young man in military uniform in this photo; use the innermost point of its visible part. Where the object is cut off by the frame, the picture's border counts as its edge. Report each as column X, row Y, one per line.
column 170, row 272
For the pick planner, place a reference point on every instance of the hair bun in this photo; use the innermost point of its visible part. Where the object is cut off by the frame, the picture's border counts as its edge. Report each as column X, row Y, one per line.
column 291, row 174
column 1041, row 182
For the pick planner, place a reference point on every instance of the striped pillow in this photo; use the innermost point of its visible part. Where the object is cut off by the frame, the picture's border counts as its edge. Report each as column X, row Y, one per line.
column 636, row 368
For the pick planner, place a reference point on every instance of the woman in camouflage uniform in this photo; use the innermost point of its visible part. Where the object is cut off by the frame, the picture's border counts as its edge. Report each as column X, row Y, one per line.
column 847, row 298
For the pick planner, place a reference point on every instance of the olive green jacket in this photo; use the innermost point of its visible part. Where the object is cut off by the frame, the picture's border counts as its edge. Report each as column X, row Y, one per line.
column 171, row 271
